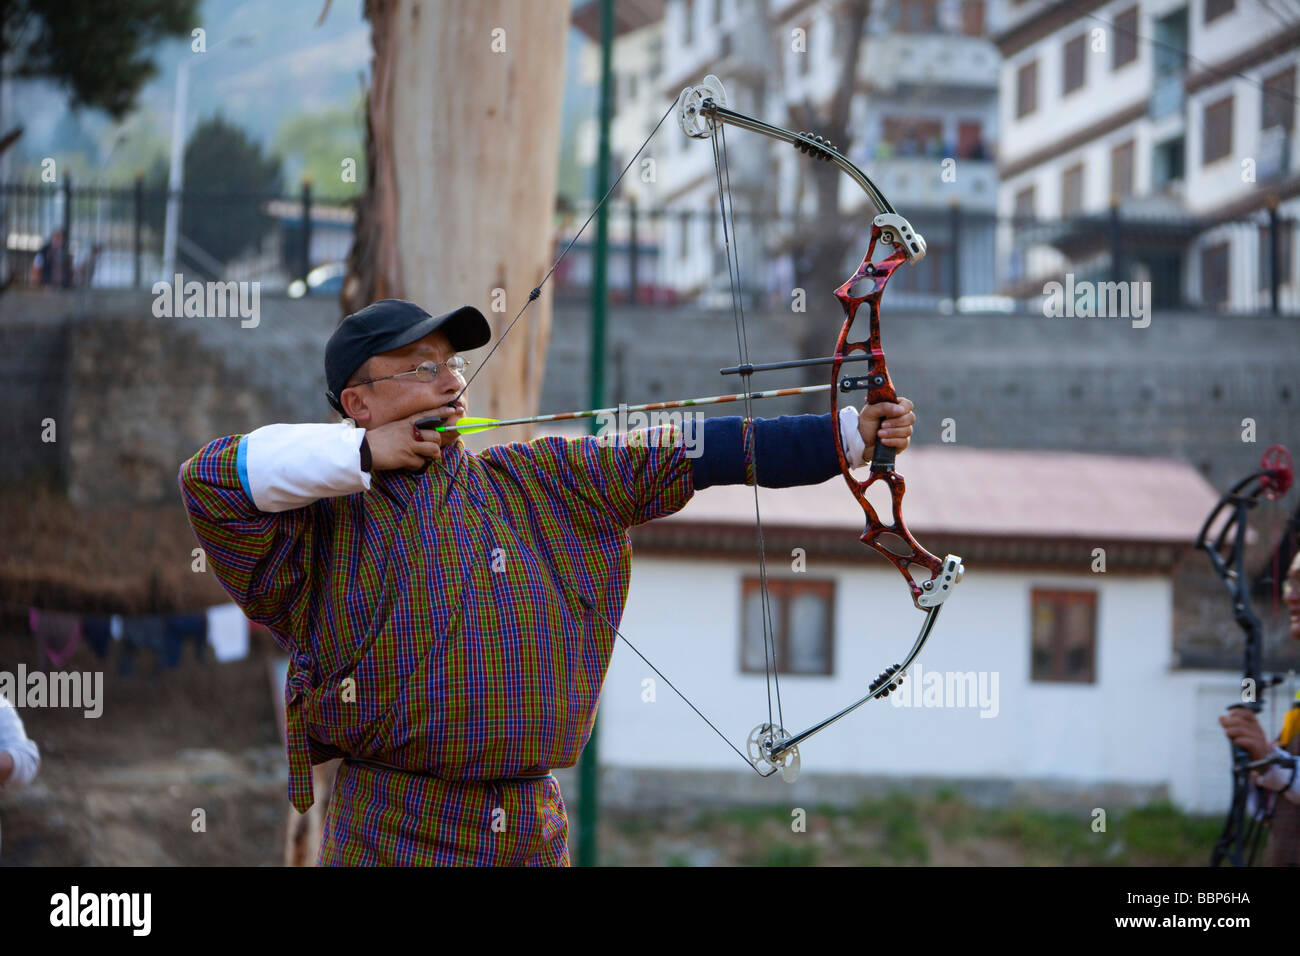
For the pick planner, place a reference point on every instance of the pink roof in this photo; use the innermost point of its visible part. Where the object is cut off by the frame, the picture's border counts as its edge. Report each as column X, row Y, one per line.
column 969, row 491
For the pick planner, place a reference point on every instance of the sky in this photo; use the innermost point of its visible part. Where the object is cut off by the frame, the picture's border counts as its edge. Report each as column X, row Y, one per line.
column 290, row 67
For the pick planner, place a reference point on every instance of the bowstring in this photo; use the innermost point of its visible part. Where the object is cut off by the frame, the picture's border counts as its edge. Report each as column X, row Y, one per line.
column 722, row 172
column 454, row 473
column 537, row 290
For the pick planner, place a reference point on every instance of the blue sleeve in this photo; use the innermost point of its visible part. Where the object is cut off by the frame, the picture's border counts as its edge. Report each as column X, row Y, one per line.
column 790, row 450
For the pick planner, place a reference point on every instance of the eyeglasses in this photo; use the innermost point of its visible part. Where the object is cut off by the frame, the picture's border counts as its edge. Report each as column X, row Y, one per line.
column 424, row 372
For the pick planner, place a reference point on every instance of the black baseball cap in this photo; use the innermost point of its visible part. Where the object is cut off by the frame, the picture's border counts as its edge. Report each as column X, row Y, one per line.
column 389, row 324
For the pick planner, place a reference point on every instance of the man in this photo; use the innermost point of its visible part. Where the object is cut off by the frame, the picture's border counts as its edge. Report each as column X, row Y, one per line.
column 53, row 264
column 1243, row 729
column 449, row 627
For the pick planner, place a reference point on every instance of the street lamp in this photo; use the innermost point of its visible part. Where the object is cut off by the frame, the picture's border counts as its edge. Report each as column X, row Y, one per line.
column 176, row 175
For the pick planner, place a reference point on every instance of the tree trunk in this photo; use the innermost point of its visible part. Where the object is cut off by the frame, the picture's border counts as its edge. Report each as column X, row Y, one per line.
column 820, row 269
column 463, row 128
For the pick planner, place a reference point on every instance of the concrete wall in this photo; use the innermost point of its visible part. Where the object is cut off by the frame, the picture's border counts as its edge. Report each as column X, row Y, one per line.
column 134, row 395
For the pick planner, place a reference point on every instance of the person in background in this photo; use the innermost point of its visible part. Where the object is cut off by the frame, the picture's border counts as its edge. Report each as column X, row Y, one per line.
column 19, row 756
column 1243, row 728
column 53, row 264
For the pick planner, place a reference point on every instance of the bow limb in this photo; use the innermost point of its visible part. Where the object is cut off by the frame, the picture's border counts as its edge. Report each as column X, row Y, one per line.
column 1241, row 839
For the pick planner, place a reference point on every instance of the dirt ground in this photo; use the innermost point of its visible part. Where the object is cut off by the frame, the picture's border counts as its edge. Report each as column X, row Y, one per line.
column 126, row 788
column 123, row 788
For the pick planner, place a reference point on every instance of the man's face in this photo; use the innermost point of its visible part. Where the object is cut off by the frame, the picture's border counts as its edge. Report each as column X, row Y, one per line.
column 379, row 403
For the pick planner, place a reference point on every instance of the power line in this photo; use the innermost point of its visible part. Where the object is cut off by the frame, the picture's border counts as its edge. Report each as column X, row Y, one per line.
column 1182, row 51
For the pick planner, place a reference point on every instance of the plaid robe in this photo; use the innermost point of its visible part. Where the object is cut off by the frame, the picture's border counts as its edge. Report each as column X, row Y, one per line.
column 441, row 628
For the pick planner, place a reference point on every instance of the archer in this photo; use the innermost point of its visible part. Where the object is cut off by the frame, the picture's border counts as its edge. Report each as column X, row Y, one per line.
column 449, row 627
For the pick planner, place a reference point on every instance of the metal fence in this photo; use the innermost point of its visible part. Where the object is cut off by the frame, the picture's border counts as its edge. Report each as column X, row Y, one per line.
column 113, row 237
column 977, row 261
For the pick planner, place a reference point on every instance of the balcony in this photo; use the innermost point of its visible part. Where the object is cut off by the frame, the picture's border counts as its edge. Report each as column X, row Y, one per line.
column 929, row 59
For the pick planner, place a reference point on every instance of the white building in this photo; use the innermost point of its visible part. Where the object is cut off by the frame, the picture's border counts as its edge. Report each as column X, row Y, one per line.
column 923, row 117
column 1042, row 671
column 1177, row 109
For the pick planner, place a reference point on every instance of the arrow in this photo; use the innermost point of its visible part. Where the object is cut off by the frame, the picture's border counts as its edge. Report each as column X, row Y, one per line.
column 470, row 426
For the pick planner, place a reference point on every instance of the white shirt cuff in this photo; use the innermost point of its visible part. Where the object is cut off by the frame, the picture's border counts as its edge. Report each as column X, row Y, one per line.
column 855, row 449
column 1277, row 778
column 289, row 466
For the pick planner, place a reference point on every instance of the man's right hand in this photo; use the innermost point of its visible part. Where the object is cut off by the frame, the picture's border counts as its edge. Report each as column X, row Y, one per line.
column 400, row 444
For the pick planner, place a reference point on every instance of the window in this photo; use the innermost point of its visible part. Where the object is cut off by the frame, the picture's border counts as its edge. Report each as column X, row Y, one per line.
column 1284, row 229
column 1214, row 275
column 1218, row 131
column 1027, row 89
column 913, row 136
column 919, row 16
column 1073, row 78
column 1124, row 38
column 1072, row 190
column 1121, row 171
column 1167, row 163
column 802, row 613
column 1025, row 203
column 972, row 18
column 688, row 14
column 1217, row 8
column 1278, row 106
column 1064, row 640
column 970, row 140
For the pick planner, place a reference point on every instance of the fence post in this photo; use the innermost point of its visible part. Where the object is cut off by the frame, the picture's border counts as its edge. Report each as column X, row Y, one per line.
column 67, row 230
column 1115, row 246
column 137, row 229
column 632, row 251
column 1274, row 255
column 954, row 250
column 304, row 262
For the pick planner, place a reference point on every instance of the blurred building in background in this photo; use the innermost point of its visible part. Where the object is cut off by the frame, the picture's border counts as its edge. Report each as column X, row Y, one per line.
column 1176, row 117
column 923, row 115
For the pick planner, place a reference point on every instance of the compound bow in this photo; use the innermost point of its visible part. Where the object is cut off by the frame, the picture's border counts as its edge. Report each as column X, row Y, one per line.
column 702, row 112
column 1241, row 839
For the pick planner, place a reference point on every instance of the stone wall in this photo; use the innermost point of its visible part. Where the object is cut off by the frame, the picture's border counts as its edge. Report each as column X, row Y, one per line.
column 134, row 395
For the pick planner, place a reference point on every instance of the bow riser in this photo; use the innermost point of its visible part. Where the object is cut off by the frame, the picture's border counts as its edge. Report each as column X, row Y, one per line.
column 892, row 540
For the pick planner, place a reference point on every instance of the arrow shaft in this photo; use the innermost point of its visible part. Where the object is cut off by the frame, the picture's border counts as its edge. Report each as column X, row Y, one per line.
column 648, row 407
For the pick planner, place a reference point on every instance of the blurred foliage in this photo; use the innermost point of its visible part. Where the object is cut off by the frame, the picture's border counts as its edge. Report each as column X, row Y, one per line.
column 902, row 829
column 314, row 146
column 97, row 51
column 227, row 183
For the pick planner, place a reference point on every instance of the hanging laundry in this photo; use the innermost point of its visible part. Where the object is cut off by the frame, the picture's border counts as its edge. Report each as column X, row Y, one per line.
column 58, row 635
column 228, row 632
column 144, row 632
column 182, row 628
column 98, row 633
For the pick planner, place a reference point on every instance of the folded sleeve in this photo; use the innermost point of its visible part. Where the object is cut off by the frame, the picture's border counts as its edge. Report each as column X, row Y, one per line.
column 250, row 502
column 1283, row 778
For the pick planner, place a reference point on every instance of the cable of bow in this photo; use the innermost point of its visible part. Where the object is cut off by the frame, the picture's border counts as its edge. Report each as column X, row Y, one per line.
column 1244, row 828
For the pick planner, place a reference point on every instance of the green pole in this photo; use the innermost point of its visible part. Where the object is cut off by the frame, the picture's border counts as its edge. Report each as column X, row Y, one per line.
column 589, row 765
